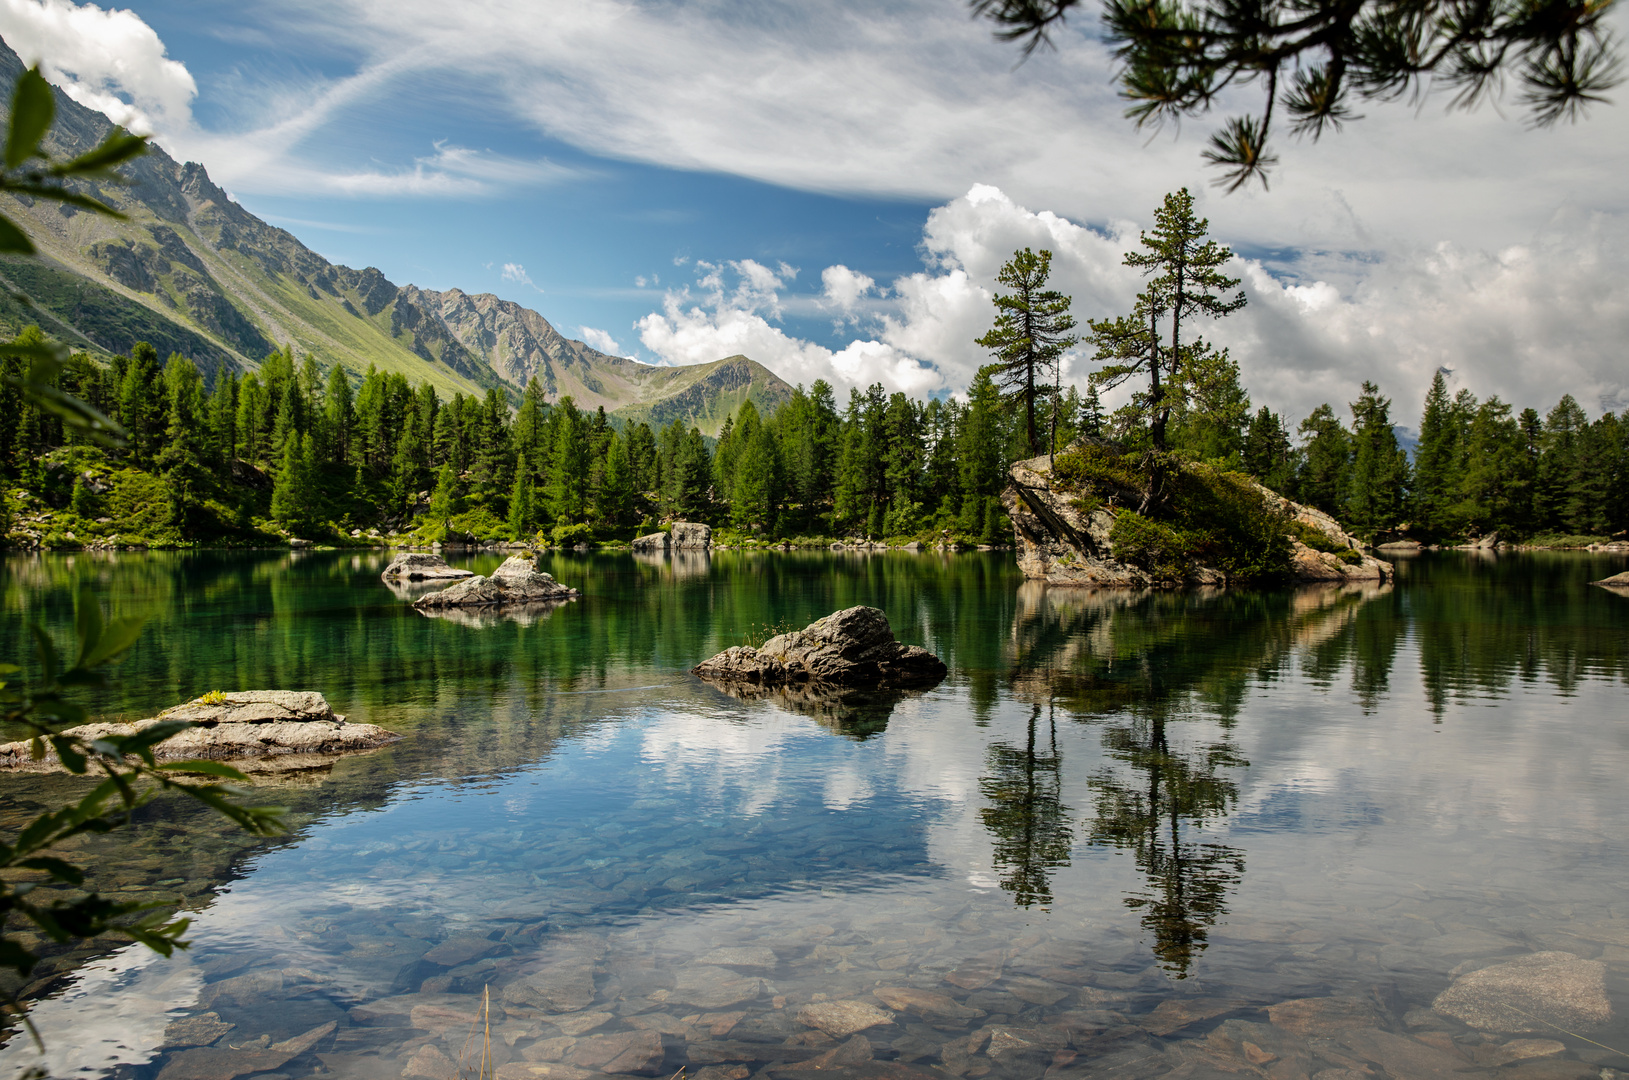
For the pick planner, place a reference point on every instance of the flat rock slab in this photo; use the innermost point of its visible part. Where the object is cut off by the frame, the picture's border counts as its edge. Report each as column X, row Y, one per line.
column 840, row 1019
column 278, row 729
column 624, row 1052
column 709, row 987
column 750, row 956
column 562, row 987
column 1323, row 1015
column 517, row 581
column 200, row 1030
column 1535, row 993
column 926, row 1003
column 852, row 647
column 1177, row 1013
column 1403, row 1057
column 224, row 1063
column 422, row 566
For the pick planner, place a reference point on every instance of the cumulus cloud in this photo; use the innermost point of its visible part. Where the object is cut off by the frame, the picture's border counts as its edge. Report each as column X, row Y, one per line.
column 1527, row 322
column 601, row 340
column 111, row 61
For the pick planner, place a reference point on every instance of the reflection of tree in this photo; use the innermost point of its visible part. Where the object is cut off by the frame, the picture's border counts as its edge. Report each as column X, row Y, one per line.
column 1027, row 816
column 1155, row 815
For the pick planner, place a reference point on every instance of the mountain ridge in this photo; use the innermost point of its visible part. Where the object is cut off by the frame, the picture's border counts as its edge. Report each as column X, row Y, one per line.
column 194, row 272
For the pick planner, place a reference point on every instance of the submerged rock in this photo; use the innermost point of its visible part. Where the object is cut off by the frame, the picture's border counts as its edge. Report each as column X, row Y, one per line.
column 852, row 647
column 1540, row 992
column 422, row 566
column 517, row 581
column 258, row 730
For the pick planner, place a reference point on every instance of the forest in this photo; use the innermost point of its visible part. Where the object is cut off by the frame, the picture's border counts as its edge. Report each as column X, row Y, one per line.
column 292, row 450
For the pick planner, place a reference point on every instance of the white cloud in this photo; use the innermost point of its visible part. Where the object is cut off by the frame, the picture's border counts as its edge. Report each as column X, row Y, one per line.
column 1527, row 323
column 843, row 288
column 601, row 340
column 108, row 60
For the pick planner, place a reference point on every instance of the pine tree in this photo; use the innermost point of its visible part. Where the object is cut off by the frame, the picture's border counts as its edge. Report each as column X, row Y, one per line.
column 522, row 514
column 339, row 416
column 756, row 487
column 1560, row 475
column 979, row 454
column 567, row 491
column 1326, row 461
column 1267, row 454
column 1434, row 460
column 1030, row 336
column 1375, row 490
column 291, row 488
column 447, row 500
column 1186, row 283
column 617, row 494
column 141, row 404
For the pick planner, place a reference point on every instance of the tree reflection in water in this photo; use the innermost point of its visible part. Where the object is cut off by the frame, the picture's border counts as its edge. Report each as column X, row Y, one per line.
column 1137, row 664
column 1026, row 815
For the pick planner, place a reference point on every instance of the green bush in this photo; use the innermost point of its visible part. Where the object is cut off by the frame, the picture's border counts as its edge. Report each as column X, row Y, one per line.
column 1158, row 548
column 570, row 535
column 1096, row 470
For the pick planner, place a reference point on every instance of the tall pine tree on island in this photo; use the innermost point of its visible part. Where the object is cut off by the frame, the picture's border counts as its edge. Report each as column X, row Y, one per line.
column 1030, row 336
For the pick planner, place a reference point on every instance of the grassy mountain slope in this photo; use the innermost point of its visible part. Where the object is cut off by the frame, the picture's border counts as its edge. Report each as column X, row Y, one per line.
column 193, row 272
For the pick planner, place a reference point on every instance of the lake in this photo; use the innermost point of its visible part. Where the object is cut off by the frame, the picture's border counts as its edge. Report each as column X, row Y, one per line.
column 1123, row 833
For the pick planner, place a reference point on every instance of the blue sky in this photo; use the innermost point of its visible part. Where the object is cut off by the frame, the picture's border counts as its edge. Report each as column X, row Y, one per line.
column 830, row 185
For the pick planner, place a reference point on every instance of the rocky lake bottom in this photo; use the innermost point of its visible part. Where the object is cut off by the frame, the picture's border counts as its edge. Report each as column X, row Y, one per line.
column 1325, row 833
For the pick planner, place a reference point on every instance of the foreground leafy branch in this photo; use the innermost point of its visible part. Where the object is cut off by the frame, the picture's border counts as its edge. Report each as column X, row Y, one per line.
column 1312, row 58
column 129, row 777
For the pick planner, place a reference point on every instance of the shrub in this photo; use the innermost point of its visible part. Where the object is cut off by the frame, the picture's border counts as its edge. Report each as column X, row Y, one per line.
column 1153, row 545
column 570, row 535
column 1095, row 469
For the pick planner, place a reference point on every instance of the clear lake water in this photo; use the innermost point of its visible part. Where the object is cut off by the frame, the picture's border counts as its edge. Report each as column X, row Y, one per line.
column 1123, row 833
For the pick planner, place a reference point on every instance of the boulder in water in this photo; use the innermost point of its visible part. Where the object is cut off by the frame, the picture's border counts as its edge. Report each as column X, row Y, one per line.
column 691, row 534
column 517, row 581
column 257, row 730
column 852, row 647
column 656, row 541
column 422, row 566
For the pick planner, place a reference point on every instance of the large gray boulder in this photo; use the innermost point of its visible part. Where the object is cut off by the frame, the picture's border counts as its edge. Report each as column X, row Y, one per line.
column 852, row 647
column 422, row 566
column 272, row 728
column 1539, row 992
column 692, row 534
column 656, row 541
column 517, row 581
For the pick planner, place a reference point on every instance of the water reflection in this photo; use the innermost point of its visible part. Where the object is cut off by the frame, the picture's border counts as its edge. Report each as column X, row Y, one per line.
column 1027, row 819
column 853, row 713
column 1114, row 793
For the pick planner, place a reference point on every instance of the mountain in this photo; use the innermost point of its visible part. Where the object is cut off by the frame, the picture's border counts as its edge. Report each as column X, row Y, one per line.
column 193, row 272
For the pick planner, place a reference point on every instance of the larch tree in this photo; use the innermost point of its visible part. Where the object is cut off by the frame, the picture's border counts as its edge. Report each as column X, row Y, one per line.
column 1030, row 336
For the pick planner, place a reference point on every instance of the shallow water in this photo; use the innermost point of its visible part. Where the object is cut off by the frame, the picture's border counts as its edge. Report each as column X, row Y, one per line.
column 1126, row 825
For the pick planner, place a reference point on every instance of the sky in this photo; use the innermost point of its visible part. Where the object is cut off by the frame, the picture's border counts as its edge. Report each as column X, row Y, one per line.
column 830, row 186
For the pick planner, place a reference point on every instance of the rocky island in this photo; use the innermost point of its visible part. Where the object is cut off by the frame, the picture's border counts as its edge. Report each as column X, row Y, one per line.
column 852, row 647
column 1080, row 520
column 255, row 730
column 422, row 566
column 517, row 581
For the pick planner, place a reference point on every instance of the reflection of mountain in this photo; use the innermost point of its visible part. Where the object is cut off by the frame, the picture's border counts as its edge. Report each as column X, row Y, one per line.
column 857, row 714
column 1026, row 815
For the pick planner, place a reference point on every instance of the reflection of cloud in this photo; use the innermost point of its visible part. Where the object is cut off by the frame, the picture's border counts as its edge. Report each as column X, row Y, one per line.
column 113, row 1013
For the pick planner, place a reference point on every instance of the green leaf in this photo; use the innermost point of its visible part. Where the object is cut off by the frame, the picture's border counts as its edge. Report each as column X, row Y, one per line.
column 151, row 735
column 13, row 241
column 32, row 110
column 117, row 636
column 62, row 194
column 58, row 869
column 119, row 147
column 87, row 621
column 208, row 768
